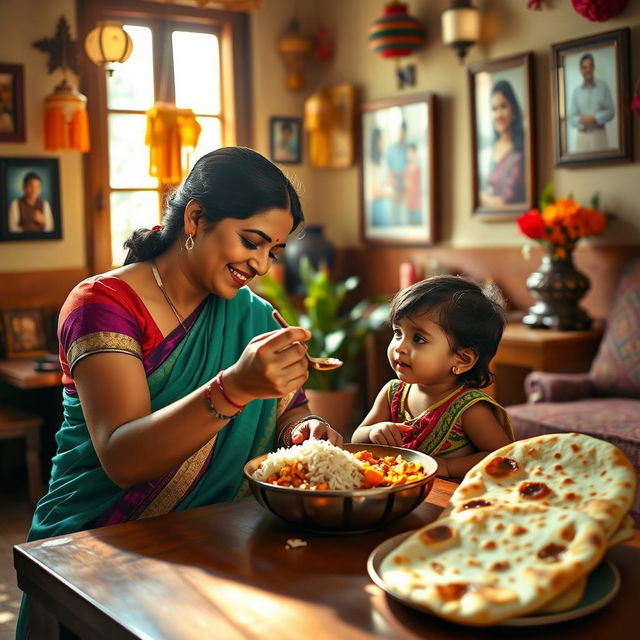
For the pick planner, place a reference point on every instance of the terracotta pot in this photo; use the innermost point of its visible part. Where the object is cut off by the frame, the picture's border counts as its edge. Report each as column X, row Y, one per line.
column 557, row 287
column 336, row 407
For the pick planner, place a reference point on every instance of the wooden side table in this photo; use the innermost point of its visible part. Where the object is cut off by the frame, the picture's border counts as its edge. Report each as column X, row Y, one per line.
column 523, row 349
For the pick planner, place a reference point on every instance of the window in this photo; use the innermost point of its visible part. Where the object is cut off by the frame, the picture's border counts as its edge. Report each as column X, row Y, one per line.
column 180, row 56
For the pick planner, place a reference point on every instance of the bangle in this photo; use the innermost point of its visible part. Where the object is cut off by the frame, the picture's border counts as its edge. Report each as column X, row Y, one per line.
column 218, row 381
column 284, row 437
column 211, row 407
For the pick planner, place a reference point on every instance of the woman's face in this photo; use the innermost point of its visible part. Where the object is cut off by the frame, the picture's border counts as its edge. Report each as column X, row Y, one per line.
column 235, row 251
column 501, row 112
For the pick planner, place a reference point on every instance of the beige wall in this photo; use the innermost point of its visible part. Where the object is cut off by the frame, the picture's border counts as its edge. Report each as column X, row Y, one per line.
column 331, row 195
column 21, row 23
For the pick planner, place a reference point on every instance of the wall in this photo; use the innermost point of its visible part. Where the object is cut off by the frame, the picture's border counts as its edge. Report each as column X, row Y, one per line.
column 21, row 24
column 331, row 195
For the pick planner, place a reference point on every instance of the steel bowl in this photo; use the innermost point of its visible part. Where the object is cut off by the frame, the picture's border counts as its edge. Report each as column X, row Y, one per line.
column 354, row 511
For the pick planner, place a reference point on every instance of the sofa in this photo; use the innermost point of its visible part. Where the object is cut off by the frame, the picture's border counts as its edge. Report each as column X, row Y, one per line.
column 605, row 401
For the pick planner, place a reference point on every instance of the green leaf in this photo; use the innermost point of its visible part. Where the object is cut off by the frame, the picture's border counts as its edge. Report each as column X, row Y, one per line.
column 547, row 197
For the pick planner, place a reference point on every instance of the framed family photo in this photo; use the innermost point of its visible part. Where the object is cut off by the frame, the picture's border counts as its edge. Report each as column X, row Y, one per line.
column 592, row 92
column 398, row 176
column 29, row 199
column 25, row 334
column 12, row 128
column 502, row 135
column 285, row 136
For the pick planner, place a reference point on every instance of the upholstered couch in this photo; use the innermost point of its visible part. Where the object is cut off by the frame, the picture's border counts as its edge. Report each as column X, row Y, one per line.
column 605, row 402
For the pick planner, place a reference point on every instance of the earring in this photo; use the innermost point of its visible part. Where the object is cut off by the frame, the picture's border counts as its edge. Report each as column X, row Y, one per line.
column 189, row 243
column 454, row 370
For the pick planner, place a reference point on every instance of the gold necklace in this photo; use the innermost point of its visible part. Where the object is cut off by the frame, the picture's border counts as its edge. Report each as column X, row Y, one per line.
column 160, row 284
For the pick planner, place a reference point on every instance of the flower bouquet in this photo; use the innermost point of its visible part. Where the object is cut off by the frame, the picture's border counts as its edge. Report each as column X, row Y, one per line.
column 557, row 285
column 559, row 224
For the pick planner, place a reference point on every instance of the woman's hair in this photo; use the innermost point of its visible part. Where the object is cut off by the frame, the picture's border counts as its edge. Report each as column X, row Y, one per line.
column 471, row 316
column 231, row 182
column 517, row 134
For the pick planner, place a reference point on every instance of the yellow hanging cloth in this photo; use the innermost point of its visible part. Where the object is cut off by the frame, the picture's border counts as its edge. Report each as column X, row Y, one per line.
column 170, row 131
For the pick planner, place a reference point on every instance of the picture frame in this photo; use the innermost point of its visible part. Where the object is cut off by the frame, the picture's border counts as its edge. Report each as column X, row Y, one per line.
column 398, row 186
column 25, row 333
column 30, row 199
column 285, row 135
column 12, row 120
column 502, row 110
column 329, row 120
column 588, row 71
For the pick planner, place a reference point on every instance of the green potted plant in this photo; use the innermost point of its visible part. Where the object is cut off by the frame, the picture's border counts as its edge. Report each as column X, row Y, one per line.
column 336, row 333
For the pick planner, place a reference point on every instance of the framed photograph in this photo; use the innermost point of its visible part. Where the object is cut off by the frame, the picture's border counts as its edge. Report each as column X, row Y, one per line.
column 286, row 140
column 12, row 127
column 592, row 92
column 502, row 135
column 25, row 334
column 398, row 176
column 29, row 199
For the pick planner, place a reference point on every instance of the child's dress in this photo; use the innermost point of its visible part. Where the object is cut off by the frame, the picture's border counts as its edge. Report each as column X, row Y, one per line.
column 438, row 429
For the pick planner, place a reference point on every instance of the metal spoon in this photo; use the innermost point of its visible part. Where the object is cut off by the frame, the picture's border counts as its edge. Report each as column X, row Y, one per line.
column 321, row 364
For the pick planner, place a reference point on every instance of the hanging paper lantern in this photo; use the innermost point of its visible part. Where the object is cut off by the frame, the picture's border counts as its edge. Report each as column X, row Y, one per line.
column 396, row 33
column 66, row 125
column 598, row 10
column 294, row 47
column 108, row 43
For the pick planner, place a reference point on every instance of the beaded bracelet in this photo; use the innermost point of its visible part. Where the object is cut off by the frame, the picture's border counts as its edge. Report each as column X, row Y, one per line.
column 211, row 407
column 218, row 381
column 285, row 439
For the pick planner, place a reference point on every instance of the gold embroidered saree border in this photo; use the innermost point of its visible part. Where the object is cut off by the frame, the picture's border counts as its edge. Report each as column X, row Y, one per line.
column 177, row 487
column 102, row 341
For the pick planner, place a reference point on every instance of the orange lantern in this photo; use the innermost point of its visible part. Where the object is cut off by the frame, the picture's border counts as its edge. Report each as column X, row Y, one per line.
column 66, row 125
column 294, row 48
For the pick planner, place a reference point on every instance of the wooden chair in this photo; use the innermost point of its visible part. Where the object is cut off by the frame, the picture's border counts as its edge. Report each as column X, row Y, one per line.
column 17, row 423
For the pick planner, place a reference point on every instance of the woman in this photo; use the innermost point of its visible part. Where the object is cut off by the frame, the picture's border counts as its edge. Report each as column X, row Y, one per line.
column 505, row 182
column 174, row 372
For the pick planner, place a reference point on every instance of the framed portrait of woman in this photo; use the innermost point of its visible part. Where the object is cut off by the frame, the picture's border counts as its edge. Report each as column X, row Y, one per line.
column 592, row 89
column 502, row 135
column 398, row 176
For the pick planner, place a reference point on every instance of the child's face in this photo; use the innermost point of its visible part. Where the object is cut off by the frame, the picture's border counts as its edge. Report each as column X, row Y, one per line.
column 419, row 351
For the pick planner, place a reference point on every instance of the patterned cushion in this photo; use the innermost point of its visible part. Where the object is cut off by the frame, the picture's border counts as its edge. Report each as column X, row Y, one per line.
column 616, row 368
column 616, row 420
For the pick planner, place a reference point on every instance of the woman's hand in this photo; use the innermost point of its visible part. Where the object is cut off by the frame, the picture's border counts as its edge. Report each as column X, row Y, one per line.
column 314, row 429
column 388, row 433
column 271, row 365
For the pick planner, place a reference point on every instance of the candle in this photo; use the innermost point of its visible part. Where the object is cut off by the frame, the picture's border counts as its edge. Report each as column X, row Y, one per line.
column 408, row 275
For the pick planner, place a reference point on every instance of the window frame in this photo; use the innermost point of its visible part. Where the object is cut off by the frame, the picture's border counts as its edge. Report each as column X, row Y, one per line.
column 233, row 30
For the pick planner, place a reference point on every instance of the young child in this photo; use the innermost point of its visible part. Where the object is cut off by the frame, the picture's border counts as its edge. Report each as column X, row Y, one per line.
column 445, row 331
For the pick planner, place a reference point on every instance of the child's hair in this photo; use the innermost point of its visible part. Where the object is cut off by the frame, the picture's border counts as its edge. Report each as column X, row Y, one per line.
column 471, row 316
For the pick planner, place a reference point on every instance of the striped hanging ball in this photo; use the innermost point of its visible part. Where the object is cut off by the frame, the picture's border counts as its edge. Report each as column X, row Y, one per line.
column 396, row 33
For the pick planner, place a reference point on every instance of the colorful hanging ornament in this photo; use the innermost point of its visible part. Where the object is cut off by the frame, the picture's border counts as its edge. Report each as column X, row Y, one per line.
column 294, row 48
column 598, row 10
column 397, row 34
column 66, row 124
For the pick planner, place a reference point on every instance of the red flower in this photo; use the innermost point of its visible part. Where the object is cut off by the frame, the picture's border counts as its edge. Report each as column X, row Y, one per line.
column 598, row 10
column 531, row 224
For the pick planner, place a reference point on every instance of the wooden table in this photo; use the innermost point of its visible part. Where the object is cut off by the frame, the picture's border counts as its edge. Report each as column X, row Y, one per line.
column 21, row 374
column 523, row 349
column 223, row 572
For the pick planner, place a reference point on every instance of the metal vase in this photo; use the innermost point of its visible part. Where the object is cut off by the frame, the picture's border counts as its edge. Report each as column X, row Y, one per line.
column 557, row 287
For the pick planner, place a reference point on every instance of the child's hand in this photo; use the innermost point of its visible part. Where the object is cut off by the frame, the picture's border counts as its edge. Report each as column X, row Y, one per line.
column 388, row 433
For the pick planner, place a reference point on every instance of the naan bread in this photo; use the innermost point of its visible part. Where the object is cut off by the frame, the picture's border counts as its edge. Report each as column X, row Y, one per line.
column 571, row 471
column 486, row 565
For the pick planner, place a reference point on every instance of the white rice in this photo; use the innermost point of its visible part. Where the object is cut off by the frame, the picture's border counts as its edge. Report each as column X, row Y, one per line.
column 327, row 464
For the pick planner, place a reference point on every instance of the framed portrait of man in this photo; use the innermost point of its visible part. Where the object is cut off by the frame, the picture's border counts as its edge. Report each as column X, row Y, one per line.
column 12, row 121
column 592, row 88
column 398, row 176
column 29, row 199
column 286, row 140
column 502, row 135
